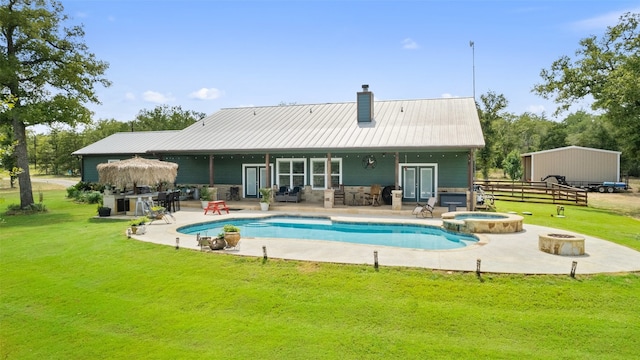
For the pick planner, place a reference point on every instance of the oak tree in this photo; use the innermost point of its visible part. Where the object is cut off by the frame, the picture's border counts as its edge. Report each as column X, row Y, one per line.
column 607, row 69
column 47, row 67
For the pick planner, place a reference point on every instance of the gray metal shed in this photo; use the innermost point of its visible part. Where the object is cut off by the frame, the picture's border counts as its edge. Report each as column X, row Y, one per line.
column 576, row 163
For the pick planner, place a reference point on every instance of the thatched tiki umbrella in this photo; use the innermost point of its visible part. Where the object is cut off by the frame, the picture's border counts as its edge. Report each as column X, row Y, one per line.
column 137, row 171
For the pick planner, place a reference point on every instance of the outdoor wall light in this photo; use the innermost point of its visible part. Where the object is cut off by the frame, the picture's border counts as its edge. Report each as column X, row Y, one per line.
column 177, row 243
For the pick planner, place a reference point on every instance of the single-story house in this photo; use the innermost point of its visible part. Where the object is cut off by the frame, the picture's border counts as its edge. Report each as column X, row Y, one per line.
column 577, row 164
column 424, row 147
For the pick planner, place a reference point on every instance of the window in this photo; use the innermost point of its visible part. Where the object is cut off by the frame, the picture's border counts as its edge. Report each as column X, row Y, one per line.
column 291, row 172
column 319, row 173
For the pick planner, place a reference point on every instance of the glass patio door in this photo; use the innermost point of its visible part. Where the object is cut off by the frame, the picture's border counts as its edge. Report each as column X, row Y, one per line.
column 418, row 182
column 254, row 179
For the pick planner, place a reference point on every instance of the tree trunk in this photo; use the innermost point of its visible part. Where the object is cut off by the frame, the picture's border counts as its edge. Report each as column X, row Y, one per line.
column 22, row 161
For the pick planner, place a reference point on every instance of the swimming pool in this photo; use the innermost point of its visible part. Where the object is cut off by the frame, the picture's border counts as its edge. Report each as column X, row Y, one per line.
column 321, row 228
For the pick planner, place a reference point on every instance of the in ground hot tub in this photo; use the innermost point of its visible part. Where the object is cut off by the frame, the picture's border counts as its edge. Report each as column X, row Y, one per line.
column 480, row 222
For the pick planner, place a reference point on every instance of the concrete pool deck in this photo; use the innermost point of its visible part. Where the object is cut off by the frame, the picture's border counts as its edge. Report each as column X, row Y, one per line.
column 499, row 253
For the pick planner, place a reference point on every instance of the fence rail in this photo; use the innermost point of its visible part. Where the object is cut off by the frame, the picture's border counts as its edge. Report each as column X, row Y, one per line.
column 534, row 191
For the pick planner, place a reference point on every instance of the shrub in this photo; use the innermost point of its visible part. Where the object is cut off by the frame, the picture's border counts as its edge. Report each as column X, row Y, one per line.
column 92, row 197
column 205, row 194
column 79, row 191
column 73, row 192
column 231, row 228
column 15, row 209
column 139, row 221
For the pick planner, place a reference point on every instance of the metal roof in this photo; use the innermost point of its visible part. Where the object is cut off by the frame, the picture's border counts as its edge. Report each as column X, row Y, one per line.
column 447, row 123
column 571, row 147
column 127, row 143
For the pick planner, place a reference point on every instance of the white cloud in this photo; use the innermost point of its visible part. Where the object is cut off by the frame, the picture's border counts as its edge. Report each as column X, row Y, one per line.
column 129, row 96
column 206, row 94
column 409, row 44
column 601, row 22
column 156, row 97
column 447, row 96
column 536, row 109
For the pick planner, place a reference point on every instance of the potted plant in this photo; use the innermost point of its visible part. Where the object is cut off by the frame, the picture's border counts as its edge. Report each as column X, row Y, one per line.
column 103, row 210
column 265, row 199
column 231, row 235
column 218, row 243
column 205, row 196
column 138, row 222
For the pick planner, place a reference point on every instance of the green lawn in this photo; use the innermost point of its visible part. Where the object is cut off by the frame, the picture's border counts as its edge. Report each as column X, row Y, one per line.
column 600, row 223
column 76, row 288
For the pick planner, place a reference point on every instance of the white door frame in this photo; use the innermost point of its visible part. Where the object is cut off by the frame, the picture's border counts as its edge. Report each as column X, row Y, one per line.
column 244, row 180
column 418, row 166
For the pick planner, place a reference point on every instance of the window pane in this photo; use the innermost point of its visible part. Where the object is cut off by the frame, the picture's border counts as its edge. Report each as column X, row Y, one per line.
column 335, row 167
column 318, row 182
column 284, row 167
column 317, row 167
column 283, row 180
column 298, row 180
column 298, row 167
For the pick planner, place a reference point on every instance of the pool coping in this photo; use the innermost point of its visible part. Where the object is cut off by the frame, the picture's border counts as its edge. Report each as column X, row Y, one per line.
column 498, row 253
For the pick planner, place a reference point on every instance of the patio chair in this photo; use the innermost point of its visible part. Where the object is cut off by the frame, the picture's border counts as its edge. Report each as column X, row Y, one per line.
column 176, row 200
column 161, row 214
column 282, row 193
column 484, row 200
column 338, row 194
column 422, row 210
column 373, row 196
column 163, row 200
column 295, row 195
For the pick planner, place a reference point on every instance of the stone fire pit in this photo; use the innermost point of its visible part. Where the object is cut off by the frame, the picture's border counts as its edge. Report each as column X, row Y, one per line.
column 561, row 244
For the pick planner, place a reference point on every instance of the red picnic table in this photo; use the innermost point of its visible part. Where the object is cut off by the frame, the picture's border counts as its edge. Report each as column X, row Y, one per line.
column 215, row 206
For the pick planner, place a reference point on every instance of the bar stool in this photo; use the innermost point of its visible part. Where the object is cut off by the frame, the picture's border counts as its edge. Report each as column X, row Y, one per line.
column 176, row 200
column 139, row 205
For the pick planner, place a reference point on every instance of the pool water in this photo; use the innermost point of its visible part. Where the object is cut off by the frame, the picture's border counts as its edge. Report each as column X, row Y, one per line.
column 318, row 228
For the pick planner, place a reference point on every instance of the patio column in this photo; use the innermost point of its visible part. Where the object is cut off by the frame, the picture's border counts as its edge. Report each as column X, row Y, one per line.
column 329, row 184
column 471, row 196
column 471, row 168
column 211, row 171
column 397, row 171
column 267, row 171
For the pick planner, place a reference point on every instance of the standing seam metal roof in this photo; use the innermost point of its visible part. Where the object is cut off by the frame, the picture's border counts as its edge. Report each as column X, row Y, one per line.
column 448, row 123
column 127, row 143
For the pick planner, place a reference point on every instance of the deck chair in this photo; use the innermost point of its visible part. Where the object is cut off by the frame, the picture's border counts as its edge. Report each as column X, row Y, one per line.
column 373, row 197
column 162, row 214
column 422, row 210
column 484, row 200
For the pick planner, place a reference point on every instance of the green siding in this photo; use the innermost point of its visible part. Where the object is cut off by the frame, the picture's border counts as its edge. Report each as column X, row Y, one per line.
column 452, row 170
column 90, row 165
column 194, row 169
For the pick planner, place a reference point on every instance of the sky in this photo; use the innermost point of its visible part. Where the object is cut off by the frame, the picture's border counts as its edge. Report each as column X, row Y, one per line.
column 205, row 55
